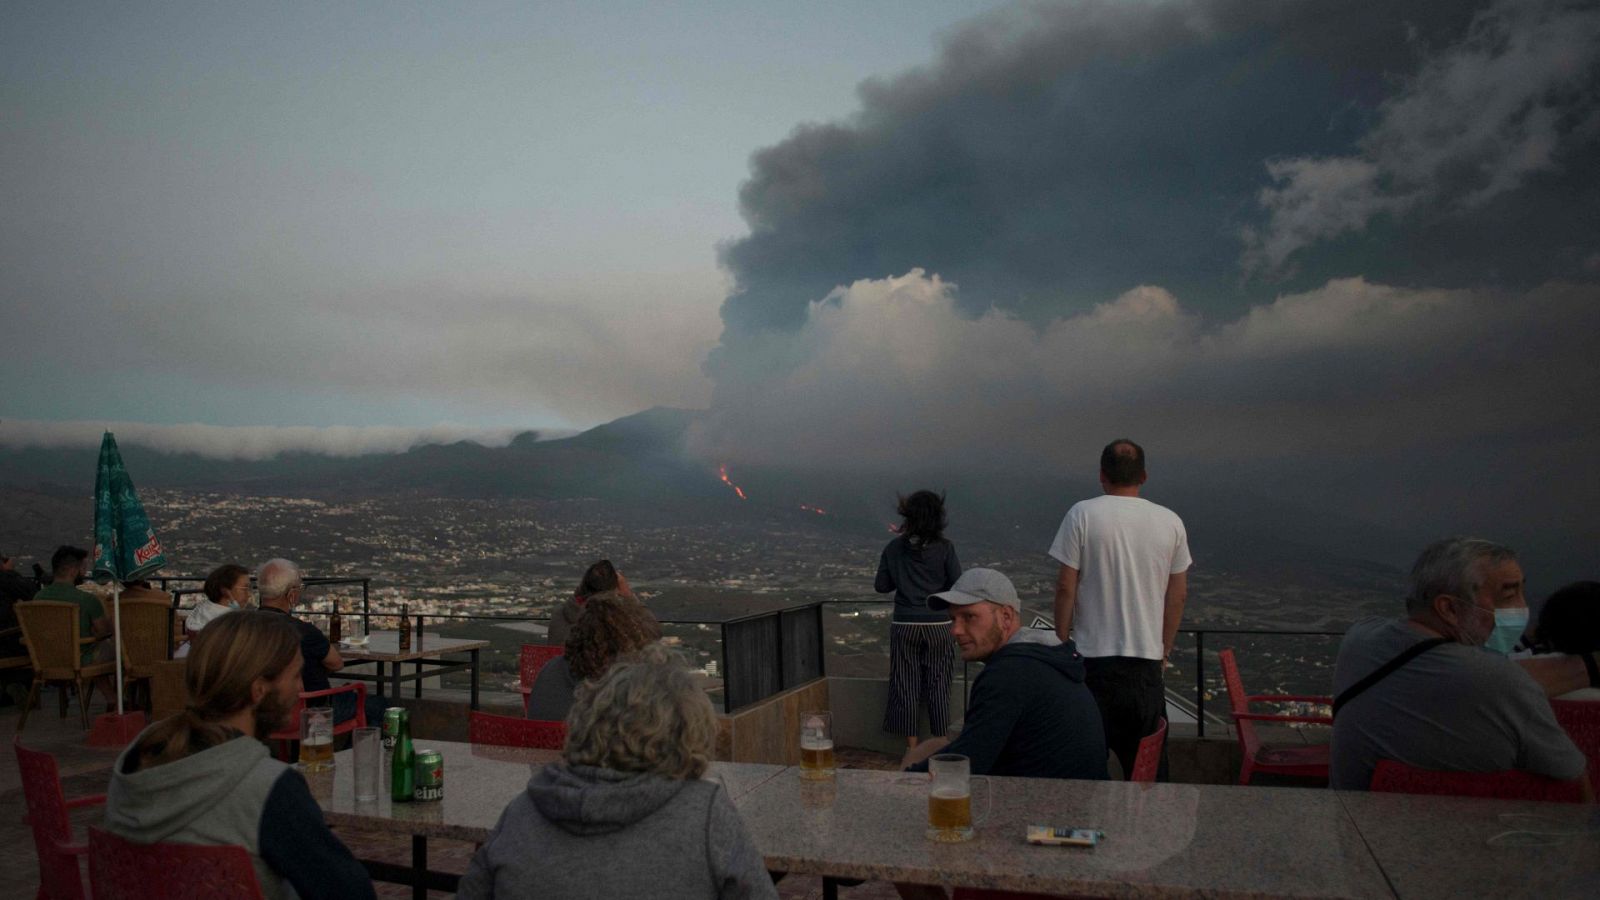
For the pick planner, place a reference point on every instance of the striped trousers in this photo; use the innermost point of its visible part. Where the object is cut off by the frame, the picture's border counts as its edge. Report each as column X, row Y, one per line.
column 921, row 661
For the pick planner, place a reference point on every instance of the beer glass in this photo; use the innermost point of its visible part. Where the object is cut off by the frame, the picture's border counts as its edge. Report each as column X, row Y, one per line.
column 950, row 798
column 816, row 745
column 316, row 738
column 365, row 746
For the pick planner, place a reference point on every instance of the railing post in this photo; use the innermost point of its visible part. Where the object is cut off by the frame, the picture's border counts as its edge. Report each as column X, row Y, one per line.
column 1200, row 682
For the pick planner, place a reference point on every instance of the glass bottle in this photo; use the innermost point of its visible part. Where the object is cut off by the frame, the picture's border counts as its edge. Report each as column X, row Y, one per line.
column 405, row 630
column 401, row 775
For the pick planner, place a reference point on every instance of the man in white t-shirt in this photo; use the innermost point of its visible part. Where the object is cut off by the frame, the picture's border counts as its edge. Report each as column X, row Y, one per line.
column 1119, row 595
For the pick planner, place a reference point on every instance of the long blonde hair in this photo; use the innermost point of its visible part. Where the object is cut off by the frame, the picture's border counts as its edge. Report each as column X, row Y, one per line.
column 225, row 660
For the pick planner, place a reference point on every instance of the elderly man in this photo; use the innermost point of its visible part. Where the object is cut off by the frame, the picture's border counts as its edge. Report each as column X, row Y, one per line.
column 1424, row 691
column 1030, row 713
column 1120, row 592
column 280, row 587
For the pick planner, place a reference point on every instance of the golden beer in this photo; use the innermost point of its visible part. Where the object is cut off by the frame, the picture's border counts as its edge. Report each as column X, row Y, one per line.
column 816, row 759
column 949, row 816
column 316, row 752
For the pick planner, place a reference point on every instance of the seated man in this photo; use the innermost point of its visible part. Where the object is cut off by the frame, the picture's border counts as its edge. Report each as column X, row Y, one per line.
column 69, row 566
column 611, row 626
column 1030, row 713
column 204, row 777
column 1455, row 706
column 279, row 585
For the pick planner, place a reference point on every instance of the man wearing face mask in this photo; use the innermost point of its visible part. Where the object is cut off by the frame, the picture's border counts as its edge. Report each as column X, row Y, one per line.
column 1425, row 691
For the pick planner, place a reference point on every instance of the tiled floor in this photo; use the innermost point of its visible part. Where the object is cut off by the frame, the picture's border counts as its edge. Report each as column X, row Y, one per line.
column 84, row 771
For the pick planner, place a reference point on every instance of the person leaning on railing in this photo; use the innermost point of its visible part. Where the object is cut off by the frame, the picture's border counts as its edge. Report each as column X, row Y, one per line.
column 626, row 812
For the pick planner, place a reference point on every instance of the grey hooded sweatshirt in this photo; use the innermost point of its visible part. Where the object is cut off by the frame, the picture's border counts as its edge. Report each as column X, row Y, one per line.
column 236, row 793
column 581, row 831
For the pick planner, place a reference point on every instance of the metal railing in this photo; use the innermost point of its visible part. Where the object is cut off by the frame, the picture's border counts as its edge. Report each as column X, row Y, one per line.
column 765, row 658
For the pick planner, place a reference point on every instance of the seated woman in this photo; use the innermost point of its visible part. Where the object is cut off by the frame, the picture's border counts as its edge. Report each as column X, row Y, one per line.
column 1569, row 623
column 610, row 626
column 625, row 812
column 601, row 577
column 227, row 588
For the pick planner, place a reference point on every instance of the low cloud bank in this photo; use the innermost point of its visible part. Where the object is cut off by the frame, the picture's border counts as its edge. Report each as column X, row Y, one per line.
column 890, row 370
column 244, row 442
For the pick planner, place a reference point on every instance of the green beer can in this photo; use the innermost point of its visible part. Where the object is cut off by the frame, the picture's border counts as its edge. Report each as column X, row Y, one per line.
column 391, row 725
column 428, row 782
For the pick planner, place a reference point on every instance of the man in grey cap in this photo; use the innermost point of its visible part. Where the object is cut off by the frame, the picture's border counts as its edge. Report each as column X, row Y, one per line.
column 1030, row 714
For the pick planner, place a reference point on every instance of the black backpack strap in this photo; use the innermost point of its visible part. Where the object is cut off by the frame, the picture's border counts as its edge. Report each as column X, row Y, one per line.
column 1385, row 670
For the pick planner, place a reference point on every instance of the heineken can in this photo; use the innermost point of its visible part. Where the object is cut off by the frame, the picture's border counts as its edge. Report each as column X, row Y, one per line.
column 391, row 725
column 428, row 784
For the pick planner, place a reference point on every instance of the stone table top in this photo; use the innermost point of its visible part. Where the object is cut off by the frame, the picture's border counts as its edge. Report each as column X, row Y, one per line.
column 1164, row 840
column 479, row 780
column 385, row 646
column 1441, row 846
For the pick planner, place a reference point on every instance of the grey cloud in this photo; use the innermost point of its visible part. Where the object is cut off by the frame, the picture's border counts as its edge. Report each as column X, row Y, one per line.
column 1477, row 120
column 243, row 442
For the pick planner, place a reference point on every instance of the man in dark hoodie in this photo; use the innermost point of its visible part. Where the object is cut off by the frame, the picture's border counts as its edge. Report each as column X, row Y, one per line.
column 1030, row 714
column 203, row 777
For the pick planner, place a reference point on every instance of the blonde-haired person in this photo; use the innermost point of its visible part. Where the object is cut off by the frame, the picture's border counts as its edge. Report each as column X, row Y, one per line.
column 626, row 812
column 204, row 776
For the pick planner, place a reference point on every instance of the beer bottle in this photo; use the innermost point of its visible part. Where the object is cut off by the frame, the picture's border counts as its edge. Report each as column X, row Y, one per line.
column 401, row 776
column 335, row 627
column 405, row 630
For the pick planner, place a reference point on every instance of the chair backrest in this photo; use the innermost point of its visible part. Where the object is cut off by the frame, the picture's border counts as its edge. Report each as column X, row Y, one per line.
column 144, row 630
column 534, row 657
column 1148, row 760
column 119, row 869
column 60, row 877
column 51, row 630
column 1238, row 702
column 1398, row 778
column 1581, row 721
column 506, row 731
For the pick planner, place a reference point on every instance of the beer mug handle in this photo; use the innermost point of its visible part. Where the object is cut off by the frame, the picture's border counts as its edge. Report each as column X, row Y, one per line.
column 988, row 798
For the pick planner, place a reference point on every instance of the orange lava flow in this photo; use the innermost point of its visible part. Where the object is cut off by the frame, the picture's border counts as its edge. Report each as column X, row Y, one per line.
column 722, row 472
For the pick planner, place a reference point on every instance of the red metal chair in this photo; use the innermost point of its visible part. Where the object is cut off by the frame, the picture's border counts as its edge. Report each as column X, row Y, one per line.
column 534, row 657
column 1307, row 761
column 283, row 740
column 1147, row 762
column 119, row 869
column 1581, row 720
column 1398, row 778
column 506, row 731
column 60, row 876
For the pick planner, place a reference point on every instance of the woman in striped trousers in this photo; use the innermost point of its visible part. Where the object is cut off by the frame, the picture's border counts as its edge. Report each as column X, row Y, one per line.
column 921, row 649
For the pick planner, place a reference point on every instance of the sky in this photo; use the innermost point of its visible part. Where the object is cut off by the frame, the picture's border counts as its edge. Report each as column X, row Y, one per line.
column 1347, row 253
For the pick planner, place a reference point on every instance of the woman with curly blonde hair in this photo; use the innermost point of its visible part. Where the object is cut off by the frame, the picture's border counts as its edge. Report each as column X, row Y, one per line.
column 626, row 812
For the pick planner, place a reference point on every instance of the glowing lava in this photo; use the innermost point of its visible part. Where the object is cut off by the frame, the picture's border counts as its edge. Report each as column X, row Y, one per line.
column 722, row 472
column 815, row 509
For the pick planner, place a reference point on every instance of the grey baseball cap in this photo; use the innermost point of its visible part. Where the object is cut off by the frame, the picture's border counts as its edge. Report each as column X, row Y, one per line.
column 976, row 586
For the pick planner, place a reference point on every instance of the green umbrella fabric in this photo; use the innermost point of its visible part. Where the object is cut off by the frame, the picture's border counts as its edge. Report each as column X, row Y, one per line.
column 125, row 547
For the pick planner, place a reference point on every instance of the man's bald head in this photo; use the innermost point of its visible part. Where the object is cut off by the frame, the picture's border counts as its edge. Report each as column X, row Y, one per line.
column 1122, row 463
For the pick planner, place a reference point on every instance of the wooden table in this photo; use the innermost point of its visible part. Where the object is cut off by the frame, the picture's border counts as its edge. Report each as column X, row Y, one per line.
column 427, row 654
column 479, row 780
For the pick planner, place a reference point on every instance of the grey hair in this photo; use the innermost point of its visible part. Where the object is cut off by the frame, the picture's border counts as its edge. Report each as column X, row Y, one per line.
column 645, row 715
column 1452, row 566
column 276, row 577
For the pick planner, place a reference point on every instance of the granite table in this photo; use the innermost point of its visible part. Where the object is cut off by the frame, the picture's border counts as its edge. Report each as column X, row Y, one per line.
column 479, row 780
column 1461, row 847
column 426, row 654
column 1163, row 840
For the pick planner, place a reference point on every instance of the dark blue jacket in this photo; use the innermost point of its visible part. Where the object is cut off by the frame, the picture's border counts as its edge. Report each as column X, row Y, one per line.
column 1032, row 716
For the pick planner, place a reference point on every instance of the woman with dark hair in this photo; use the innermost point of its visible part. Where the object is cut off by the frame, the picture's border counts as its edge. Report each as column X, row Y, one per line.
column 1569, row 624
column 921, row 648
column 226, row 589
column 601, row 576
column 611, row 626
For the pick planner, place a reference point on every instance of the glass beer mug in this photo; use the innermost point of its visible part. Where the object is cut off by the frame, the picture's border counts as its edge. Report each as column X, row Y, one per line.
column 950, row 798
column 816, row 745
column 316, row 738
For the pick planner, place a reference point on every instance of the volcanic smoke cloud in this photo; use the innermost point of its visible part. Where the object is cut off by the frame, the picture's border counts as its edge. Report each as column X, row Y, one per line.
column 1342, row 250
